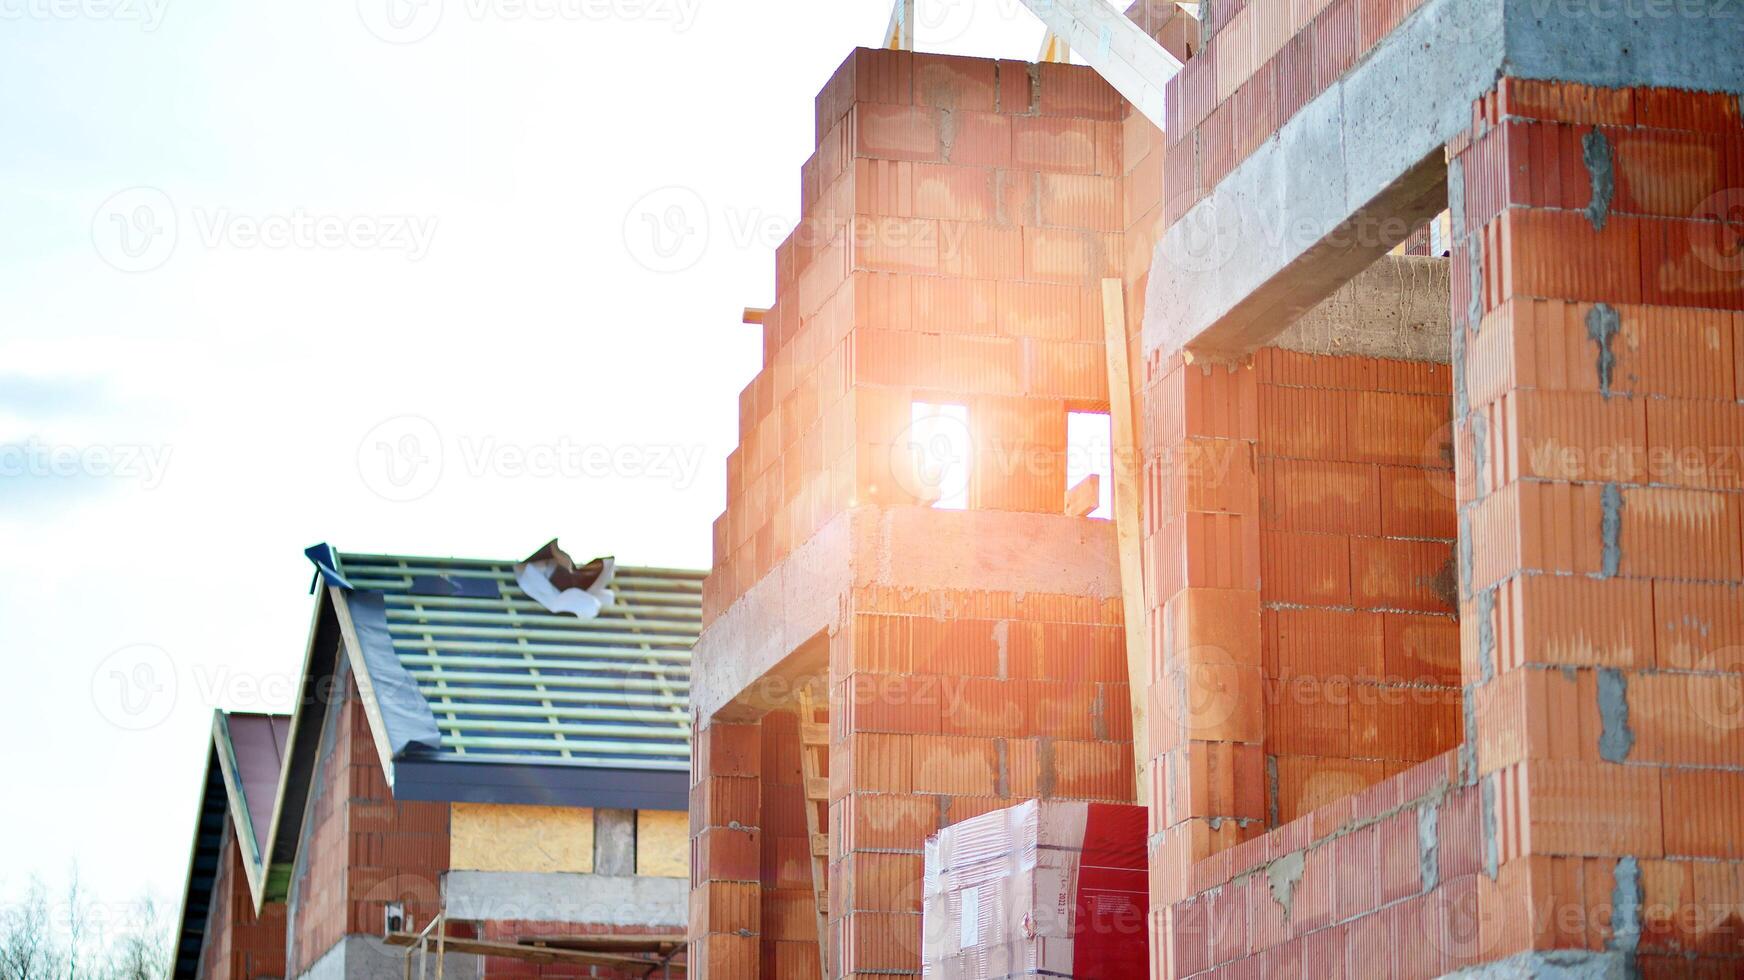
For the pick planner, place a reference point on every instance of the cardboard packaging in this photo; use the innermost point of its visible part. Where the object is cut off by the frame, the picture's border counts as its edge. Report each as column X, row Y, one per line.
column 1054, row 889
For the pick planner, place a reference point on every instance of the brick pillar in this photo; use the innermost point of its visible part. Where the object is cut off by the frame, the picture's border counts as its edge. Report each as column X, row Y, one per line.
column 1202, row 550
column 1597, row 340
column 725, row 860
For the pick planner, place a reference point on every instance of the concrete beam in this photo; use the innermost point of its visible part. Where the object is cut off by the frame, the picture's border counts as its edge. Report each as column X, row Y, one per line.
column 1362, row 165
column 639, row 901
column 913, row 548
column 1120, row 51
column 1397, row 309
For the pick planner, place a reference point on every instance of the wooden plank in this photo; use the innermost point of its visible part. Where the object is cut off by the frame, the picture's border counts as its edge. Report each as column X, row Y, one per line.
column 1084, row 498
column 1129, row 532
column 537, row 954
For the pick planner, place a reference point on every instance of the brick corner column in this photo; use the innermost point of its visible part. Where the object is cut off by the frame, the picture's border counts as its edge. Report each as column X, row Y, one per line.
column 1598, row 274
column 1202, row 573
column 725, row 860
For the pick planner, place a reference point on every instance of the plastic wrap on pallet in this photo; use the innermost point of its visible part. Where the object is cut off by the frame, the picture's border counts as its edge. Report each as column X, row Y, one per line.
column 1050, row 889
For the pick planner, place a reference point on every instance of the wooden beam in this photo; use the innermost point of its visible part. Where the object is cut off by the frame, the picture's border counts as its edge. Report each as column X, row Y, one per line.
column 1128, row 531
column 1084, row 498
column 537, row 954
column 754, row 315
column 900, row 34
column 1054, row 49
column 1120, row 51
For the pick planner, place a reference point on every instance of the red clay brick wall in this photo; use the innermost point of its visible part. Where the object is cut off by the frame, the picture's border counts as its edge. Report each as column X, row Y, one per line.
column 1359, row 639
column 947, row 706
column 959, row 216
column 240, row 945
column 361, row 849
column 1598, row 440
column 956, row 219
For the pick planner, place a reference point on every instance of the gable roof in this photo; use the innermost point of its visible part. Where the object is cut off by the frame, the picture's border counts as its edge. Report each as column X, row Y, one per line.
column 474, row 692
column 509, row 682
column 243, row 760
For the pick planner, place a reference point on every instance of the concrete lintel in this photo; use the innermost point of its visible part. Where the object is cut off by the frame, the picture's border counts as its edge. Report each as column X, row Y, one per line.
column 1343, row 181
column 638, row 901
column 1351, row 174
column 1397, row 308
column 910, row 548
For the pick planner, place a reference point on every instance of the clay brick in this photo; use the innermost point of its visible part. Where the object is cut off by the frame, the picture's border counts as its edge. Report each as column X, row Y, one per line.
column 979, row 139
column 1054, row 143
column 980, row 251
column 1069, row 256
column 1560, row 619
column 1407, row 430
column 1572, row 436
column 1709, row 810
column 1687, row 719
column 1695, row 444
column 1308, row 716
column 1077, row 91
column 951, row 82
column 885, row 882
column 1585, row 808
column 1212, row 626
column 1093, row 771
column 1387, row 573
column 1049, row 311
column 1326, row 643
column 1306, row 569
column 985, row 707
column 879, row 763
column 942, row 305
column 1081, row 201
column 1535, row 246
column 955, row 764
column 882, row 821
column 1303, row 423
column 896, row 132
column 1311, row 495
column 1307, row 783
column 1681, row 534
column 1016, row 89
column 1417, row 503
column 1699, row 626
column 950, row 192
column 728, row 750
column 1567, row 102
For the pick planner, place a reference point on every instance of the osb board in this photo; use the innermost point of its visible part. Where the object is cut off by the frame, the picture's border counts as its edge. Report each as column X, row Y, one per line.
column 663, row 843
column 492, row 837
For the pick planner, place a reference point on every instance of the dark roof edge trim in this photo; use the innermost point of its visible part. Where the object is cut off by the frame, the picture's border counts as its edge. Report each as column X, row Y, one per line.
column 458, row 781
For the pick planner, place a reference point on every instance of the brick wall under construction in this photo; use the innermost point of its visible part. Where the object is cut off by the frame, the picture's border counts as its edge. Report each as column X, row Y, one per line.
column 1444, row 661
column 959, row 216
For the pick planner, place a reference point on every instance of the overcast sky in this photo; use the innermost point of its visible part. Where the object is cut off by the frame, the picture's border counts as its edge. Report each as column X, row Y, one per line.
column 443, row 277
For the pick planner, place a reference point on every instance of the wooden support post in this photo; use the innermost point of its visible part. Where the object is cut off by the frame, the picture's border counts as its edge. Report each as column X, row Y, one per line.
column 1128, row 529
